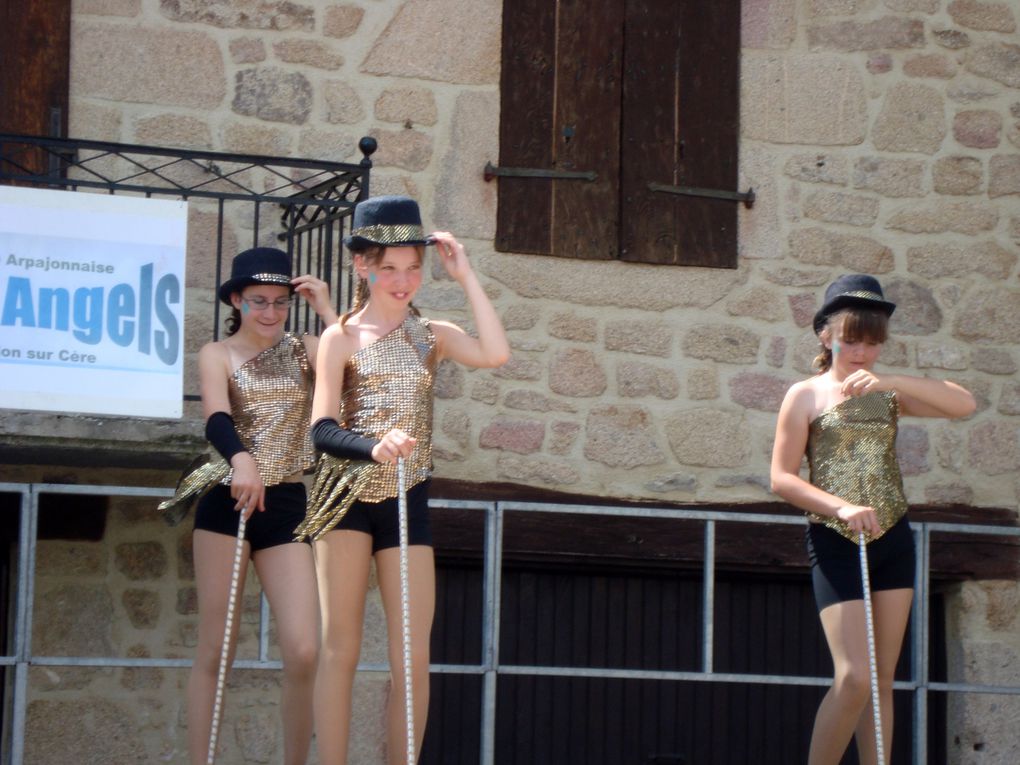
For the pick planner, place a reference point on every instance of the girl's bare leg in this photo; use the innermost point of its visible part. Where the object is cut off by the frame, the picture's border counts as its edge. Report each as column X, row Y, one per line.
column 422, row 580
column 214, row 564
column 287, row 574
column 892, row 613
column 342, row 560
column 846, row 632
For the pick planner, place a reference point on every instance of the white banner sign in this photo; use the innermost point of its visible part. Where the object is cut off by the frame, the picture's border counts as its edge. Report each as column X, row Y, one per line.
column 92, row 311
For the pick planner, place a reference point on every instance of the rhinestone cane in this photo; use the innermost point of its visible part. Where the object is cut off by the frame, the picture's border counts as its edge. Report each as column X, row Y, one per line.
column 221, row 678
column 405, row 609
column 872, row 660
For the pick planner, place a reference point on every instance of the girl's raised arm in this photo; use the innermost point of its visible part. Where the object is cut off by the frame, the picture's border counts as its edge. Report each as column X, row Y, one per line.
column 491, row 348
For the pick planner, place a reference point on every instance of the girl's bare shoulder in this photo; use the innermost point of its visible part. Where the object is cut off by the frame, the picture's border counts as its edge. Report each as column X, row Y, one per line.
column 803, row 395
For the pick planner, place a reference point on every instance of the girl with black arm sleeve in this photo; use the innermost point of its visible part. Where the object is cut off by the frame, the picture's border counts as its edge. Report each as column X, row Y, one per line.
column 372, row 405
column 256, row 389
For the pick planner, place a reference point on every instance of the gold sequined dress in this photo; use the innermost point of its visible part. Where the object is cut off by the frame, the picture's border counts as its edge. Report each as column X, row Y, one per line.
column 271, row 404
column 851, row 450
column 387, row 384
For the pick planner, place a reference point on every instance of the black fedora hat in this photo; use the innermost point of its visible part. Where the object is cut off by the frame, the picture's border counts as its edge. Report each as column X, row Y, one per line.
column 387, row 221
column 848, row 290
column 259, row 265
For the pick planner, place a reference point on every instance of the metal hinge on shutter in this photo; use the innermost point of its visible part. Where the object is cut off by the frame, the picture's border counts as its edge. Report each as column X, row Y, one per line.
column 747, row 197
column 491, row 171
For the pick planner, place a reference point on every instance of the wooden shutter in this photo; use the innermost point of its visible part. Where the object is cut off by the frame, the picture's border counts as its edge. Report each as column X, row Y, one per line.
column 561, row 88
column 680, row 128
column 639, row 92
column 35, row 45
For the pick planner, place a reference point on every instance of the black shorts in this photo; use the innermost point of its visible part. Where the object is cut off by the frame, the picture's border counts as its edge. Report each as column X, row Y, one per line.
column 285, row 509
column 836, row 563
column 381, row 520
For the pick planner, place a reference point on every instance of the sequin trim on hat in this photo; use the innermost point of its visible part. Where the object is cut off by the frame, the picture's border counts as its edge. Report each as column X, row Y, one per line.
column 864, row 294
column 384, row 233
column 271, row 278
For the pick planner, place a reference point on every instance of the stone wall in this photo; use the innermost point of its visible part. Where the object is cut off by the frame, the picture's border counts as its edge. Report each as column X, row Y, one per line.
column 879, row 136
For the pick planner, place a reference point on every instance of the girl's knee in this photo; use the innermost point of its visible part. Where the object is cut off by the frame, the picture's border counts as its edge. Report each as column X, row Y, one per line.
column 301, row 659
column 854, row 683
column 340, row 657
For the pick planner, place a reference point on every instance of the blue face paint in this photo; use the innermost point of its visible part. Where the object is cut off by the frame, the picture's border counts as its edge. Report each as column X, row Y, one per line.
column 371, row 277
column 835, row 347
column 244, row 308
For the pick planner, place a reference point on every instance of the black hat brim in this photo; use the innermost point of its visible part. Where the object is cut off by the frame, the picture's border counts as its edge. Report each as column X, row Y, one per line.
column 850, row 301
column 231, row 286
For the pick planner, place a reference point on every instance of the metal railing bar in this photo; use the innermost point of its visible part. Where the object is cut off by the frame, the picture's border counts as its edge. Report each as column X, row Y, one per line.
column 114, row 186
column 708, row 599
column 92, row 489
column 119, row 148
column 19, row 713
column 970, row 528
column 527, row 670
column 1004, row 690
column 461, row 504
column 666, row 675
column 492, row 607
column 263, row 627
column 25, row 542
column 654, row 512
column 919, row 617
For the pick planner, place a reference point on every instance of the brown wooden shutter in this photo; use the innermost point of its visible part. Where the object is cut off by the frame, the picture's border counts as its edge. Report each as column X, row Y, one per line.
column 35, row 45
column 639, row 92
column 560, row 110
column 680, row 128
column 524, row 216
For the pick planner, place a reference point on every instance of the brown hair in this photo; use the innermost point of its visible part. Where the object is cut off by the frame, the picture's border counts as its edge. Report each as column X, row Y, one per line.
column 854, row 325
column 233, row 322
column 372, row 255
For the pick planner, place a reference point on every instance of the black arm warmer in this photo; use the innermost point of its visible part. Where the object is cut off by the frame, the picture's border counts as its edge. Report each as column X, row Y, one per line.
column 221, row 433
column 328, row 436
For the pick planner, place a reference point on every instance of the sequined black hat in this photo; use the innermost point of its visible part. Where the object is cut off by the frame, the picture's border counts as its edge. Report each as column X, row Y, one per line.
column 390, row 221
column 259, row 265
column 852, row 290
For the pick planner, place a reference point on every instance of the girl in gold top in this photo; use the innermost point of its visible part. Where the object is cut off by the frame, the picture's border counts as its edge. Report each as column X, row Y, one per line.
column 844, row 419
column 256, row 395
column 373, row 405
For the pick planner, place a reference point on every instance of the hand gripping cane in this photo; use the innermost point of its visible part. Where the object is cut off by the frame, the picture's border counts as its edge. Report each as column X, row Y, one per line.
column 872, row 660
column 221, row 678
column 405, row 608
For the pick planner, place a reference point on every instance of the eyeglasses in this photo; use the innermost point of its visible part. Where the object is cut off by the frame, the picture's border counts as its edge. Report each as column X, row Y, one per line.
column 259, row 303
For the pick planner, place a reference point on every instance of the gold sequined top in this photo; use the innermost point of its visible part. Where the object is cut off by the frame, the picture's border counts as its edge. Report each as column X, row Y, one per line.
column 851, row 450
column 271, row 403
column 387, row 384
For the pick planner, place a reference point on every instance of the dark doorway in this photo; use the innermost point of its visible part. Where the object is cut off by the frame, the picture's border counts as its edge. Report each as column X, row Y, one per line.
column 632, row 615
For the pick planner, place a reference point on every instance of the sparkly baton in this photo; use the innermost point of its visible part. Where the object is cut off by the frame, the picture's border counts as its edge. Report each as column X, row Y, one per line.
column 221, row 678
column 405, row 608
column 872, row 660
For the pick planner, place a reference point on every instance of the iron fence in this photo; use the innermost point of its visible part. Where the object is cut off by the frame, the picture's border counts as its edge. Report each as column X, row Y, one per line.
column 490, row 668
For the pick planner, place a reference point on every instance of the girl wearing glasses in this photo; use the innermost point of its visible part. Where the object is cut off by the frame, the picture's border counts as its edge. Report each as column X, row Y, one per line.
column 256, row 387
